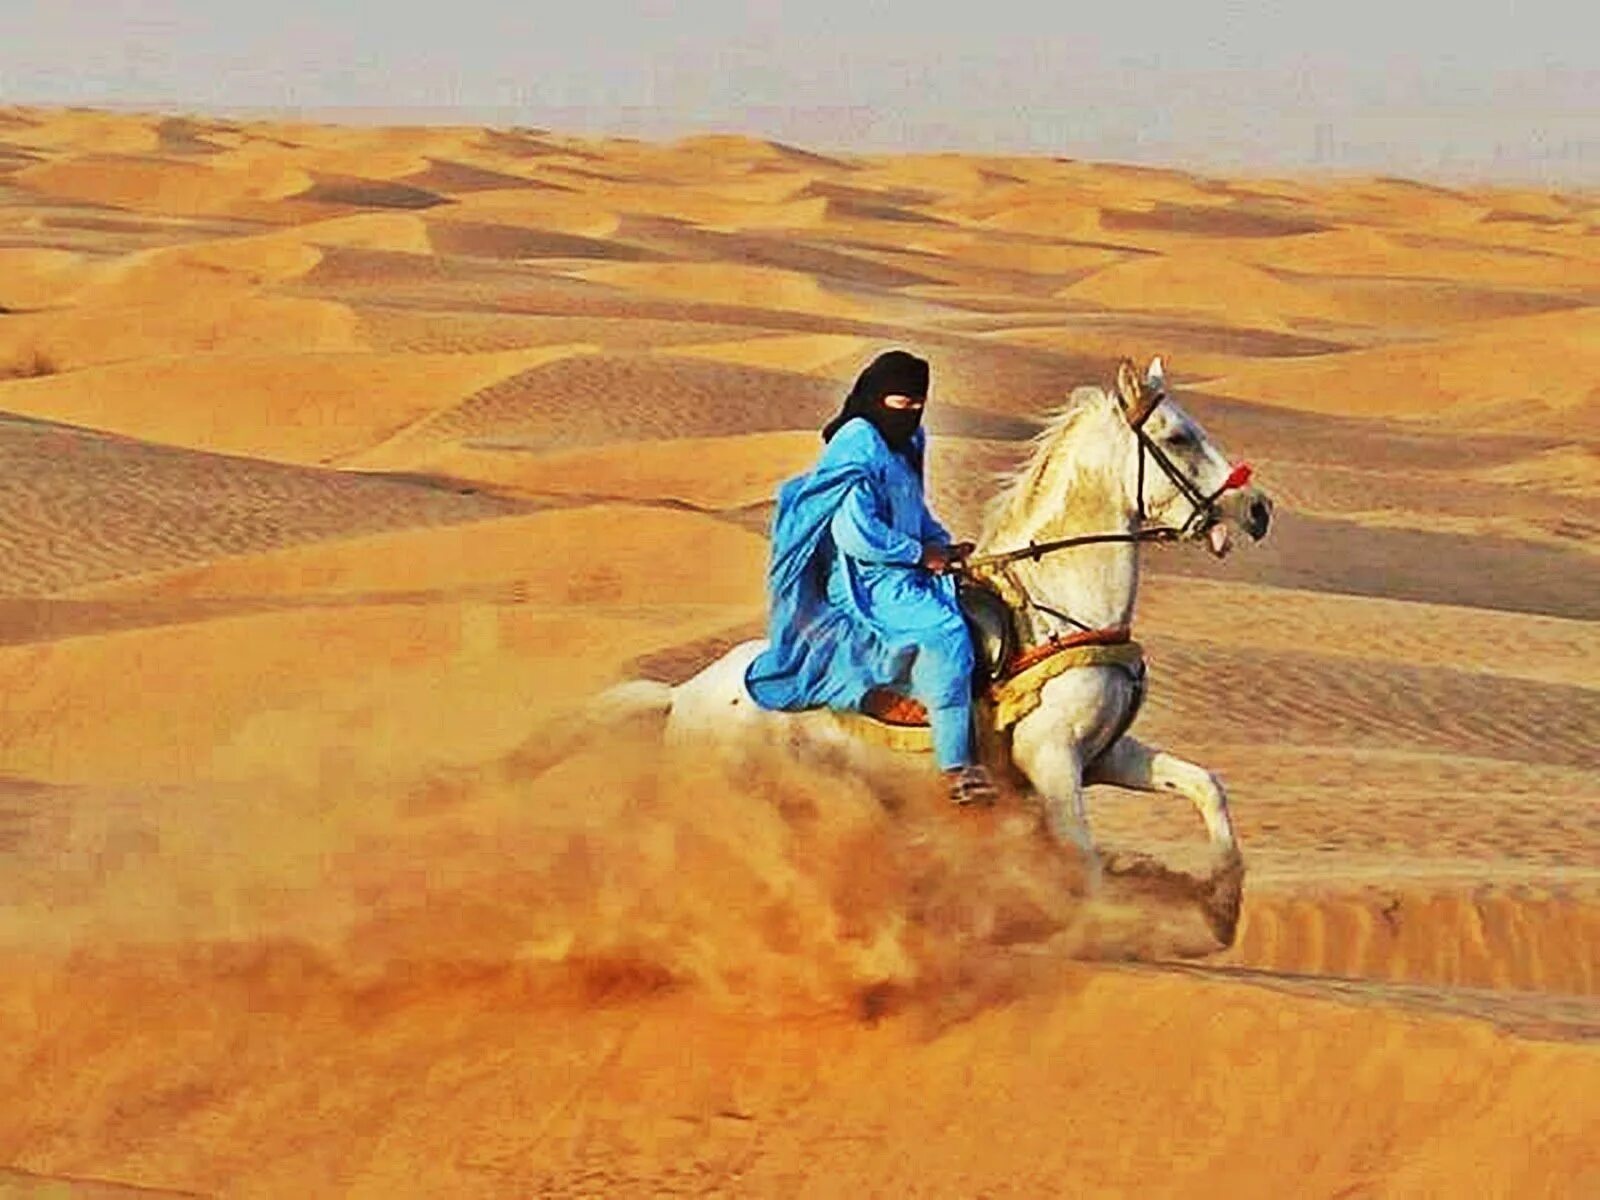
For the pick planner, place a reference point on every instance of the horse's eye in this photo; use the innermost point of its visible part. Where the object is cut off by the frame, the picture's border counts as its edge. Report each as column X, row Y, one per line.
column 1184, row 438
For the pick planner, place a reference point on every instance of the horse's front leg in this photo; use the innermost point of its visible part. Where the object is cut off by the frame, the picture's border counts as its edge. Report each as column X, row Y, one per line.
column 1132, row 764
column 1052, row 765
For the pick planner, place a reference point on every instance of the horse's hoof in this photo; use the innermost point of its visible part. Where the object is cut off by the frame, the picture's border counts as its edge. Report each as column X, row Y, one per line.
column 1071, row 835
column 1223, row 896
column 1119, row 863
column 1094, row 874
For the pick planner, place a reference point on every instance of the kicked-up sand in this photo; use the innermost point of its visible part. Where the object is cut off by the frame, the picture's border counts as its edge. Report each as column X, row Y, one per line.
column 343, row 466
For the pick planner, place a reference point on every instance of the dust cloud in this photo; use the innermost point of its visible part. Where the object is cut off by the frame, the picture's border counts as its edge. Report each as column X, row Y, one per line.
column 616, row 869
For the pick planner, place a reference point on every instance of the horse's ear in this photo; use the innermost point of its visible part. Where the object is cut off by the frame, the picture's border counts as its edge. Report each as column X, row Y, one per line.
column 1137, row 397
column 1129, row 390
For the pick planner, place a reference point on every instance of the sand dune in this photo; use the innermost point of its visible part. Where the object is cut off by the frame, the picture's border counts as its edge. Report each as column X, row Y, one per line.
column 1378, row 310
column 293, row 408
column 80, row 131
column 384, row 957
column 1522, row 372
column 542, row 210
column 736, row 284
column 752, row 1114
column 80, row 507
column 143, row 185
column 179, row 704
column 1198, row 349
column 1378, row 629
column 707, row 473
column 419, row 330
column 806, row 354
column 1205, row 285
column 564, row 404
column 540, row 558
column 38, row 278
column 343, row 466
column 191, row 324
column 1378, row 253
column 1569, row 470
column 1518, row 938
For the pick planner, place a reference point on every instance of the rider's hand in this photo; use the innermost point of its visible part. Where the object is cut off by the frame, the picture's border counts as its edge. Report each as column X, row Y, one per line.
column 962, row 551
column 937, row 558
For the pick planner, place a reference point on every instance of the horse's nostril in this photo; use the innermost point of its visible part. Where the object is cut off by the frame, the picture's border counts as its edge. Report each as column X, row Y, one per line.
column 1260, row 518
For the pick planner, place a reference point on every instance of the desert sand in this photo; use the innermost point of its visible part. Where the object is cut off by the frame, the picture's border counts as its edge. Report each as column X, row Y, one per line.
column 344, row 464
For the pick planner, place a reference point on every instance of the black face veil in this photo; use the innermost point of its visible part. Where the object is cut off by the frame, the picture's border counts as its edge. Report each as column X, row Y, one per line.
column 893, row 373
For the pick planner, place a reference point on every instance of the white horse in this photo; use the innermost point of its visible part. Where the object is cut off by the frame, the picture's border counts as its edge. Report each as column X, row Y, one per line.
column 1108, row 463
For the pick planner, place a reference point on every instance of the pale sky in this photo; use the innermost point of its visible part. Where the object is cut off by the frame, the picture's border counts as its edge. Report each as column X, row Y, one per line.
column 1471, row 89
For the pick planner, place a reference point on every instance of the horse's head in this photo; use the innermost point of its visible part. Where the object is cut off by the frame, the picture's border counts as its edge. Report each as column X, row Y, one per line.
column 1183, row 479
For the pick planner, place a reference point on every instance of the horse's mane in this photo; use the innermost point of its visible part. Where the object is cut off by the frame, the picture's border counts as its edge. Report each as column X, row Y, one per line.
column 1019, row 488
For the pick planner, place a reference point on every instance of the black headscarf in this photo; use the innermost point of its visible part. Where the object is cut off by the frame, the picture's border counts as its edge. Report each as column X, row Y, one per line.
column 892, row 373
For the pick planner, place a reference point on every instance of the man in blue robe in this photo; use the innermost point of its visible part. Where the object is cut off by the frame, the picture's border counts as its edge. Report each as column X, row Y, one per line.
column 860, row 577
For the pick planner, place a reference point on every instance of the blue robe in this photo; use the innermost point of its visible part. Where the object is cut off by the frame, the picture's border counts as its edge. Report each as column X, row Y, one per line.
column 851, row 609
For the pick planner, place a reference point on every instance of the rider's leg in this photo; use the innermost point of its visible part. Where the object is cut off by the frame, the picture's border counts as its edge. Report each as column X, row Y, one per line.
column 952, row 735
column 941, row 678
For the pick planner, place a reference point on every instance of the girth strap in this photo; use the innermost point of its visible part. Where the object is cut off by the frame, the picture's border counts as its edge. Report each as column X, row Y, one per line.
column 1116, row 635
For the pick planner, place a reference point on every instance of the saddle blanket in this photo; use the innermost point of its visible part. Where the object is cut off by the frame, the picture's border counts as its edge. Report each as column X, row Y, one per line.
column 1002, row 704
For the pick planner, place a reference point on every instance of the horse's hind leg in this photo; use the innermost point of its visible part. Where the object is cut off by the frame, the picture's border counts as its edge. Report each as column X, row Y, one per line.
column 1131, row 764
column 1053, row 767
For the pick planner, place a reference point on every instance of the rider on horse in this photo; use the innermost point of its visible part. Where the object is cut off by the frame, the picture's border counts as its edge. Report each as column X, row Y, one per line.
column 860, row 578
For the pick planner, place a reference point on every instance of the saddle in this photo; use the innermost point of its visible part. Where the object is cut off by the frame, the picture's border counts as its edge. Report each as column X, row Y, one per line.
column 993, row 626
column 1007, row 676
column 995, row 643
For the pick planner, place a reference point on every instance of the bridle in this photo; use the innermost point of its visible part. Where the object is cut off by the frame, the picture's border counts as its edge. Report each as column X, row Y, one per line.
column 1203, row 507
column 1202, row 515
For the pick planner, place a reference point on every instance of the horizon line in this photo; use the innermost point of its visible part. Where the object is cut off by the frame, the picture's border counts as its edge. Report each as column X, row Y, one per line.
column 657, row 126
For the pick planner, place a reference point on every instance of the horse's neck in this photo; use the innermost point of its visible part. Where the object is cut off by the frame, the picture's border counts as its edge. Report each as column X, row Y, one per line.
column 1097, row 586
column 1079, row 490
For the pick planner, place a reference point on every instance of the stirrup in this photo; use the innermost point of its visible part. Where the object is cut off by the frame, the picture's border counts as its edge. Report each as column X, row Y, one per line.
column 971, row 785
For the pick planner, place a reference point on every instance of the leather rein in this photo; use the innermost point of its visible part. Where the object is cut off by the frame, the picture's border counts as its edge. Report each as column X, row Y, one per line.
column 1203, row 513
column 1203, row 507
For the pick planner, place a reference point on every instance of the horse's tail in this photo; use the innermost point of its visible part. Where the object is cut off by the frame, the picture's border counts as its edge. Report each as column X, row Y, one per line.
column 601, row 716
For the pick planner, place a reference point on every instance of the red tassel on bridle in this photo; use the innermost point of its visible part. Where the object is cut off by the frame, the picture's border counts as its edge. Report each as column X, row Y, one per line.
column 1237, row 478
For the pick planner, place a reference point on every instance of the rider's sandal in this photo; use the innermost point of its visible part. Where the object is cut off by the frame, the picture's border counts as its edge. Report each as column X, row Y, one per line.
column 971, row 786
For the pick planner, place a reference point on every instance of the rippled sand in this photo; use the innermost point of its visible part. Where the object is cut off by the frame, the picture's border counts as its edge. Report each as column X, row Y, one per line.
column 341, row 465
